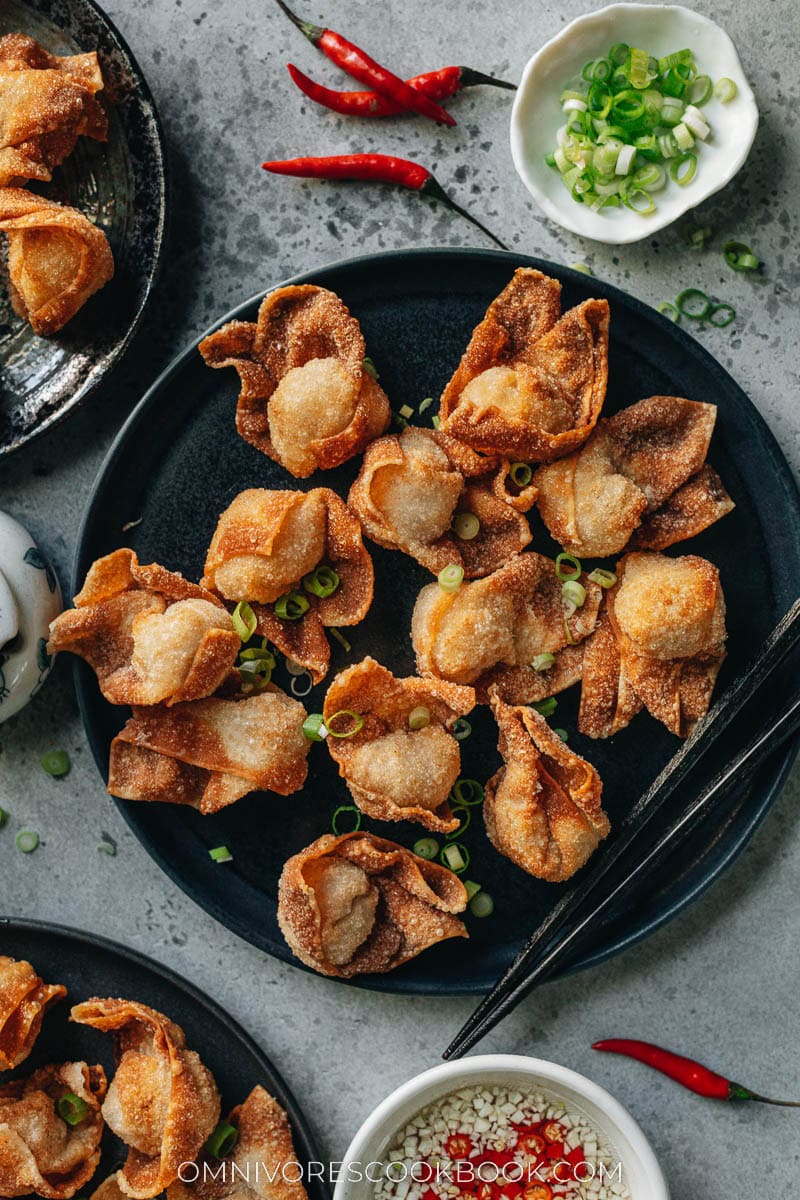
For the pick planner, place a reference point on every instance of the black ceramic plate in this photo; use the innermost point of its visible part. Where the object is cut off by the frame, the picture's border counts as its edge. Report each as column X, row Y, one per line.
column 121, row 185
column 91, row 966
column 178, row 462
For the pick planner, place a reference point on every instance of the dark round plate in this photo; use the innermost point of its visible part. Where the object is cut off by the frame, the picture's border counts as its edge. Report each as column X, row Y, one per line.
column 178, row 462
column 91, row 966
column 121, row 185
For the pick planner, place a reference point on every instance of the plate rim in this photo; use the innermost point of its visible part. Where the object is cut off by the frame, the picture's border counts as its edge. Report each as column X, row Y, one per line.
column 388, row 983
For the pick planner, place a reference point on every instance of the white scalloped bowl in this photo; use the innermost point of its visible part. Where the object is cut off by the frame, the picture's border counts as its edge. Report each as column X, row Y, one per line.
column 659, row 29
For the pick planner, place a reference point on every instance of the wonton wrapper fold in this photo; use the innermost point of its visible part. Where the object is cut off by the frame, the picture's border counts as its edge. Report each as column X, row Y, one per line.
column 24, row 999
column 359, row 904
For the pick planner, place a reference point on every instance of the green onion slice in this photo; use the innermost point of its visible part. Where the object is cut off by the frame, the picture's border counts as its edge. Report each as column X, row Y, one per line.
column 693, row 303
column 340, row 638
column 455, row 856
column 682, row 170
column 3, row 817
column 425, row 404
column 670, row 311
column 426, row 848
column 461, row 729
column 27, row 840
column 291, row 606
column 370, row 368
column 574, row 593
column 568, row 567
column 521, row 474
column 471, row 887
column 464, row 815
column 581, row 267
column 571, row 641
column 740, row 257
column 451, row 577
column 466, row 526
column 700, row 90
column 71, row 1108
column 619, row 53
column 56, row 763
column 725, row 90
column 562, row 733
column 419, row 717
column 698, row 235
column 543, row 662
column 346, row 808
column 721, row 315
column 355, row 720
column 220, row 854
column 314, row 727
column 546, row 708
column 322, row 581
column 222, row 1140
column 466, row 792
column 603, row 579
column 406, row 411
column 244, row 620
column 436, row 421
column 481, row 905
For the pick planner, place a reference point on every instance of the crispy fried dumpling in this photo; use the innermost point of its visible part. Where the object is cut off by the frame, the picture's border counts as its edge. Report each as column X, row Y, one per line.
column 57, row 258
column 264, row 1137
column 490, row 631
column 531, row 384
column 162, row 1103
column 641, row 478
column 394, row 772
column 46, row 103
column 662, row 645
column 307, row 399
column 24, row 999
column 543, row 807
column 267, row 541
column 40, row 1152
column 412, row 489
column 209, row 753
column 150, row 635
column 358, row 904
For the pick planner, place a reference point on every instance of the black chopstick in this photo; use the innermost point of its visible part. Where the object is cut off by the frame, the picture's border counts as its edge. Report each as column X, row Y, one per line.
column 514, row 983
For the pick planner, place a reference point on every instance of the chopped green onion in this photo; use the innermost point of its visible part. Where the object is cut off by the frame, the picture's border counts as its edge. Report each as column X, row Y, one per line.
column 725, row 90
column 244, row 620
column 340, row 638
column 638, row 200
column 436, row 422
column 399, row 422
column 426, row 848
column 406, row 411
column 464, row 815
column 220, row 854
column 471, row 887
column 301, row 685
column 322, row 581
column 291, row 606
column 56, row 763
column 314, row 727
column 603, row 579
column 357, row 723
column 419, row 717
column 580, row 266
column 562, row 733
column 462, row 729
column 521, row 474
column 425, row 404
column 700, row 90
column 451, row 577
column 222, row 1140
column 698, row 235
column 574, row 593
column 682, row 169
column 573, row 567
column 370, row 368
column 71, row 1108
column 721, row 315
column 546, row 708
column 693, row 303
column 107, row 846
column 481, row 905
column 3, row 817
column 571, row 641
column 618, row 54
column 467, row 792
column 543, row 662
column 455, row 856
column 346, row 808
column 262, row 654
column 27, row 841
column 740, row 257
column 670, row 311
column 466, row 526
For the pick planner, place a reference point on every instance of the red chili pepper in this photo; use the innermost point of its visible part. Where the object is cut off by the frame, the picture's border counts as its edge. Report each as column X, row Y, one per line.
column 692, row 1075
column 459, row 1145
column 436, row 85
column 357, row 63
column 375, row 168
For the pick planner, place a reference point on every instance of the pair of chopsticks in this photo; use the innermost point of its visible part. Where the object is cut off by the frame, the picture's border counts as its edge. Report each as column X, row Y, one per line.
column 624, row 864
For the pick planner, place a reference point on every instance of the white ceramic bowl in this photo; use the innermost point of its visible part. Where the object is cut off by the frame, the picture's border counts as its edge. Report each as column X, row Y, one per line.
column 659, row 29
column 640, row 1170
column 29, row 600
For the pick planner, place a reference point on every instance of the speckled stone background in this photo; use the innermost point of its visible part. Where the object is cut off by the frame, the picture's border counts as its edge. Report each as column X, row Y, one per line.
column 723, row 980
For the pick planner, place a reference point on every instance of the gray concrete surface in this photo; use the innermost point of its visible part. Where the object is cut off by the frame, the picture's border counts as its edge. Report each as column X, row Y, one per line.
column 721, row 981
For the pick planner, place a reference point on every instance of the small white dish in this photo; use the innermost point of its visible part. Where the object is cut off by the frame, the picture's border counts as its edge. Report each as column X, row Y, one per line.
column 641, row 1173
column 30, row 599
column 660, row 29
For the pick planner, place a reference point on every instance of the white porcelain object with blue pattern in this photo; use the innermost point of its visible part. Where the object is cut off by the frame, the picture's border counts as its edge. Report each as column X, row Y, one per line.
column 29, row 600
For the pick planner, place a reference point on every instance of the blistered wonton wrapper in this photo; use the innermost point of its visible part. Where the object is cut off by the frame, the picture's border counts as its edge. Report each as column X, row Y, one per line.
column 162, row 1103
column 543, row 807
column 307, row 399
column 641, row 479
column 411, row 487
column 488, row 632
column 150, row 635
column 264, row 1142
column 39, row 1151
column 395, row 773
column 46, row 103
column 531, row 383
column 359, row 904
column 24, row 999
column 266, row 541
column 209, row 753
column 57, row 258
column 662, row 647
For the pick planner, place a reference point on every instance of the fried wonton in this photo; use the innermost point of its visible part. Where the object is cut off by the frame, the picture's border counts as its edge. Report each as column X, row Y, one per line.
column 162, row 1103
column 209, row 753
column 641, row 479
column 24, row 999
column 266, row 541
column 531, row 384
column 150, row 635
column 662, row 645
column 57, row 258
column 489, row 632
column 307, row 399
column 40, row 1152
column 265, row 1138
column 412, row 488
column 359, row 904
column 46, row 103
column 543, row 807
column 396, row 773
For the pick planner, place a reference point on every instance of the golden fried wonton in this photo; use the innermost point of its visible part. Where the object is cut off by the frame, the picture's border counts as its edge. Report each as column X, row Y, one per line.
column 57, row 258
column 662, row 645
column 543, row 807
column 150, row 635
column 24, row 998
column 266, row 541
column 162, row 1102
column 640, row 478
column 210, row 753
column 396, row 773
column 530, row 385
column 412, row 487
column 39, row 1151
column 264, row 1138
column 46, row 103
column 307, row 399
column 359, row 904
column 490, row 631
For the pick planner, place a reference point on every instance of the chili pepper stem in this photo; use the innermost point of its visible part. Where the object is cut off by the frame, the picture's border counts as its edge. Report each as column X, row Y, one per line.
column 431, row 187
column 471, row 78
column 312, row 32
column 738, row 1092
